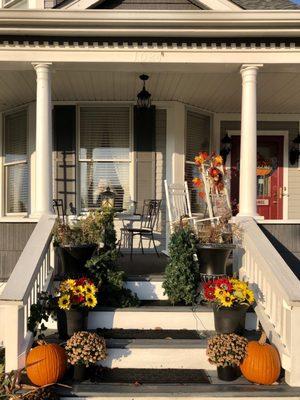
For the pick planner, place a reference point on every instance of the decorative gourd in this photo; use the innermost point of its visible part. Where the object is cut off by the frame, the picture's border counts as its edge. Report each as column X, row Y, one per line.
column 262, row 363
column 46, row 364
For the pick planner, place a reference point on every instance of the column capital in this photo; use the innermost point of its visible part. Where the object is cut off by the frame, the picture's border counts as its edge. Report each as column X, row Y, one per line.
column 250, row 68
column 41, row 66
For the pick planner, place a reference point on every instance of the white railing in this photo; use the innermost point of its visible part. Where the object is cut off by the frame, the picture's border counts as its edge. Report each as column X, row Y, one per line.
column 277, row 292
column 31, row 275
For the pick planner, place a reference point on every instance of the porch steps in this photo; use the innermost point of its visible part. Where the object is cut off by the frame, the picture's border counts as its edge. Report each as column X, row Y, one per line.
column 158, row 314
column 239, row 390
column 147, row 287
column 158, row 349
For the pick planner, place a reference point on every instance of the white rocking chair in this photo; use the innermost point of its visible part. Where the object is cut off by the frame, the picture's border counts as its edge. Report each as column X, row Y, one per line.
column 178, row 204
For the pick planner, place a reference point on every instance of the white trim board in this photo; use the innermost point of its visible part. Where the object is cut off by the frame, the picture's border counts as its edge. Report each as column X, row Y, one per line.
column 285, row 135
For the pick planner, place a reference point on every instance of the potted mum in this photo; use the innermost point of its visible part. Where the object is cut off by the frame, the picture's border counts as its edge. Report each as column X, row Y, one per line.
column 83, row 350
column 231, row 299
column 75, row 297
column 227, row 351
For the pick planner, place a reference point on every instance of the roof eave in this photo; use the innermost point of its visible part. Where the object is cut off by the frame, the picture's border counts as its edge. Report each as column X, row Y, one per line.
column 152, row 23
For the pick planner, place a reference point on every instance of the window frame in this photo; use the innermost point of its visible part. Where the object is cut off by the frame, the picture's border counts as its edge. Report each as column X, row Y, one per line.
column 6, row 165
column 80, row 160
column 211, row 121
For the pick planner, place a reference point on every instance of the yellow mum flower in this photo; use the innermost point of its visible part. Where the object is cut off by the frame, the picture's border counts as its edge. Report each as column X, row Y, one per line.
column 250, row 296
column 90, row 289
column 64, row 302
column 227, row 300
column 90, row 301
column 218, row 160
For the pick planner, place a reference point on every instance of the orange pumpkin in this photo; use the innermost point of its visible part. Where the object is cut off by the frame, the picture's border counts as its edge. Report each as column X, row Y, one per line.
column 262, row 363
column 46, row 364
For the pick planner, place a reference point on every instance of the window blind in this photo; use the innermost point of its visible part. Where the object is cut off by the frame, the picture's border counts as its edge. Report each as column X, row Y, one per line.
column 15, row 162
column 197, row 140
column 104, row 154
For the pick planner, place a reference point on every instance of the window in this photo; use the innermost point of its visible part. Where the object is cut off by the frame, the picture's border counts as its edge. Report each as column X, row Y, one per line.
column 15, row 162
column 197, row 140
column 104, row 154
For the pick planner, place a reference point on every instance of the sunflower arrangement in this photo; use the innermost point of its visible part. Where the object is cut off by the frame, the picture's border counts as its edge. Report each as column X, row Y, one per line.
column 226, row 350
column 228, row 292
column 74, row 293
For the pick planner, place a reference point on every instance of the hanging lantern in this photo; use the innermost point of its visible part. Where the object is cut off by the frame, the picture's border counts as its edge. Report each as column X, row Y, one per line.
column 144, row 97
column 107, row 198
column 294, row 151
column 226, row 148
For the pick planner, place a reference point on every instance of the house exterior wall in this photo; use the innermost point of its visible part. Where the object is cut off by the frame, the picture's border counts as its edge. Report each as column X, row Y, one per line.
column 13, row 238
column 293, row 171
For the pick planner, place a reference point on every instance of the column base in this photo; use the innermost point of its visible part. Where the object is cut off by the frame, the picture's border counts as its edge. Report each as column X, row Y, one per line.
column 255, row 216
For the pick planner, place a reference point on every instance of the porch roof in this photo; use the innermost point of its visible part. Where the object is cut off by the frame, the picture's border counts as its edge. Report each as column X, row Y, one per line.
column 215, row 88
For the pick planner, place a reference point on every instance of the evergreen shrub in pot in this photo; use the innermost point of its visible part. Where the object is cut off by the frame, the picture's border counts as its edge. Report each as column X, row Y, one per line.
column 181, row 278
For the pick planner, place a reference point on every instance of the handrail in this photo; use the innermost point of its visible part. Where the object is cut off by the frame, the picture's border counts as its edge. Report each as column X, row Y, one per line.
column 277, row 292
column 31, row 276
column 282, row 276
column 27, row 268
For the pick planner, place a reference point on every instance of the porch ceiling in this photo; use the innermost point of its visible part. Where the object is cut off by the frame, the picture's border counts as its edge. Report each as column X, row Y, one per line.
column 278, row 91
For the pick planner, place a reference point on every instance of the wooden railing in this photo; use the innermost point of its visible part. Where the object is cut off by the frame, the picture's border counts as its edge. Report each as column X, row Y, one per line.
column 31, row 275
column 277, row 292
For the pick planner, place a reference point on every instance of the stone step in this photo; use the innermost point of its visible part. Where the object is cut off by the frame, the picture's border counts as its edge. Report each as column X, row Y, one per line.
column 159, row 314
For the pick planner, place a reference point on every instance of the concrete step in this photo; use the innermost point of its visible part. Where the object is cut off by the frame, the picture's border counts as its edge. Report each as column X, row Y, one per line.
column 239, row 389
column 158, row 349
column 159, row 314
column 147, row 287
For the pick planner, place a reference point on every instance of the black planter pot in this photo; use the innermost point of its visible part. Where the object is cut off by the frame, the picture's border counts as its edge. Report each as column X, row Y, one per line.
column 73, row 259
column 228, row 373
column 212, row 259
column 230, row 320
column 76, row 320
column 80, row 373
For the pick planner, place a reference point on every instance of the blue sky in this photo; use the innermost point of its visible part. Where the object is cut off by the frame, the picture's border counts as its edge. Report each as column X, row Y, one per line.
column 296, row 1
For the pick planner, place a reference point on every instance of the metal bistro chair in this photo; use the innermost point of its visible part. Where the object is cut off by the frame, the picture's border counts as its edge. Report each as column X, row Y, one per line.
column 148, row 220
column 59, row 208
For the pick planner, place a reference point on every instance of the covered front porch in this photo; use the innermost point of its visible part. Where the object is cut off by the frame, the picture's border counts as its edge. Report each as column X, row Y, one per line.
column 70, row 130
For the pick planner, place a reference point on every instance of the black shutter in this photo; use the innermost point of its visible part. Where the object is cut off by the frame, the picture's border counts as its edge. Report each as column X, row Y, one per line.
column 144, row 147
column 64, row 128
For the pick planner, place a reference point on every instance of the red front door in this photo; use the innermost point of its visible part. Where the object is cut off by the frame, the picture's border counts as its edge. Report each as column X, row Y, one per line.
column 269, row 175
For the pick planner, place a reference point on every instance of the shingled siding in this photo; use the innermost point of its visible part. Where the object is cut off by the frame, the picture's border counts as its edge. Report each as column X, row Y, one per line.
column 13, row 238
column 293, row 174
column 266, row 4
column 149, row 5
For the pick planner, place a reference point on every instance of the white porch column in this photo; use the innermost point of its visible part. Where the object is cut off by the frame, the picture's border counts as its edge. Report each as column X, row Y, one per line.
column 43, row 162
column 248, row 155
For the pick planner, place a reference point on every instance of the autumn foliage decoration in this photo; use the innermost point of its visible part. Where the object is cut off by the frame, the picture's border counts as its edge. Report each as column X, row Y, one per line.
column 211, row 165
column 46, row 364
